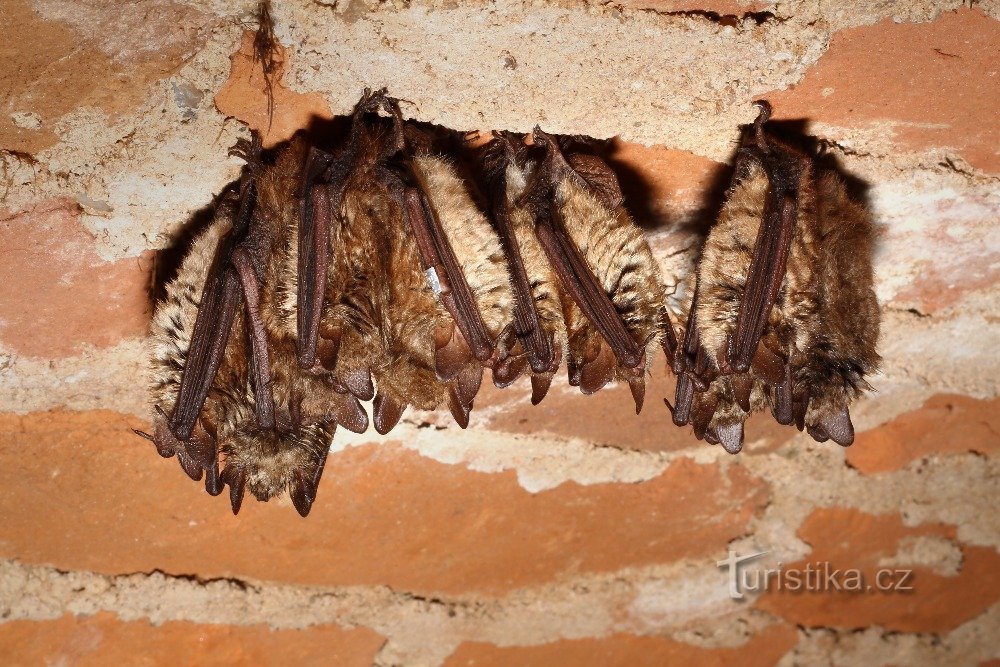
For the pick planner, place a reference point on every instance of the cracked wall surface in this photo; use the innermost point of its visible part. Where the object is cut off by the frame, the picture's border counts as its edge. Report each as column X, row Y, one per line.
column 573, row 532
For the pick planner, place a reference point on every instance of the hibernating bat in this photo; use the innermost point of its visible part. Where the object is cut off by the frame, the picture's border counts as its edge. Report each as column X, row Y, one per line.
column 536, row 339
column 226, row 380
column 610, row 285
column 784, row 313
column 428, row 287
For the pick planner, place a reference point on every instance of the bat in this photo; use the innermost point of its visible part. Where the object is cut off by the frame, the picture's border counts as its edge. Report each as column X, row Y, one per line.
column 269, row 420
column 536, row 339
column 449, row 290
column 784, row 314
column 613, row 294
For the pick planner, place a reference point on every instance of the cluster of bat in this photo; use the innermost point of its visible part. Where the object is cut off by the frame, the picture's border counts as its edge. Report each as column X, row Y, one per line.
column 378, row 273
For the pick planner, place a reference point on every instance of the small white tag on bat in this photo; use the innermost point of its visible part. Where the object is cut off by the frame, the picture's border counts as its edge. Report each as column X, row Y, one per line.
column 432, row 280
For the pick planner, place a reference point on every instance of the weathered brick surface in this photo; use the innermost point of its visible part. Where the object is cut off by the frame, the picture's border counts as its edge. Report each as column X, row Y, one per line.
column 84, row 58
column 120, row 123
column 608, row 417
column 57, row 294
column 918, row 85
column 945, row 424
column 104, row 639
column 93, row 496
column 849, row 539
column 763, row 649
column 244, row 97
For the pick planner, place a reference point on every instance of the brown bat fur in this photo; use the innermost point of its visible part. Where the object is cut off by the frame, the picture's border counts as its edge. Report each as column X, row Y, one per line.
column 590, row 204
column 510, row 164
column 825, row 318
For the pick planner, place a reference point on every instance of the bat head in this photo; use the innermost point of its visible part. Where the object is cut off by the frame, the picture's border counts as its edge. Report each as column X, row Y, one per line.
column 271, row 462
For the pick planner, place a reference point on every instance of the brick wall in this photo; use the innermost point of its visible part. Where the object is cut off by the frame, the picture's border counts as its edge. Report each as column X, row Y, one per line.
column 569, row 533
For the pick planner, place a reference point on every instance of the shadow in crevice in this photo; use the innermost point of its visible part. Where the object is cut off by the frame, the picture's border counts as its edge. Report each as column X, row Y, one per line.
column 167, row 260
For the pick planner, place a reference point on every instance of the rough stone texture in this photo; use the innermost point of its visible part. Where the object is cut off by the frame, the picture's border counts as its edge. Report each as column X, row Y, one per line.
column 570, row 531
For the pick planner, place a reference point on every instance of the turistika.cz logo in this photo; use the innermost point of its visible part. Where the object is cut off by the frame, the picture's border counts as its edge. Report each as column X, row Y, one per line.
column 819, row 577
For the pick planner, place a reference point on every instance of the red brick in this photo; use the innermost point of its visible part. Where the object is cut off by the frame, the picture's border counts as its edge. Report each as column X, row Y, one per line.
column 57, row 294
column 104, row 639
column 940, row 79
column 660, row 184
column 850, row 539
column 92, row 496
column 763, row 649
column 945, row 424
column 244, row 97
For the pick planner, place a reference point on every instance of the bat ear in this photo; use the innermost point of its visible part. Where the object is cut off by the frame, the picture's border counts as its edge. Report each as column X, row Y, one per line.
column 163, row 438
column 201, row 446
column 508, row 370
column 637, row 385
column 834, row 426
column 459, row 410
column 359, row 382
column 300, row 495
column 213, row 483
column 599, row 371
column 599, row 178
column 467, row 384
column 704, row 410
column 327, row 349
column 729, row 435
column 236, row 478
column 350, row 414
column 683, row 400
column 742, row 384
column 763, row 115
column 540, row 387
column 387, row 411
column 190, row 467
column 451, row 352
column 304, row 485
